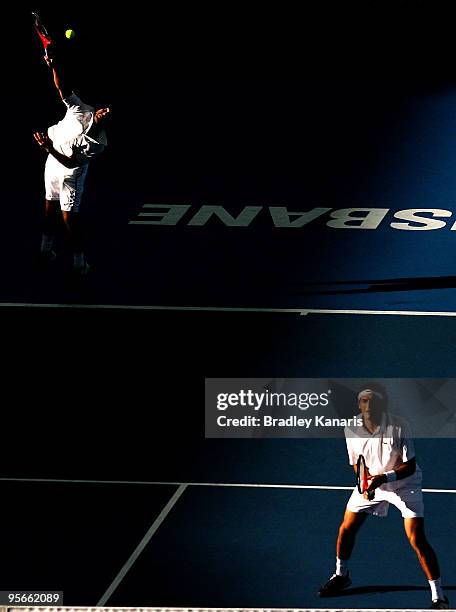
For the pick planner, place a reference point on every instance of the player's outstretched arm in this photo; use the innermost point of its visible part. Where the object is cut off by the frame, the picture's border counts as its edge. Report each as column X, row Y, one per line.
column 59, row 81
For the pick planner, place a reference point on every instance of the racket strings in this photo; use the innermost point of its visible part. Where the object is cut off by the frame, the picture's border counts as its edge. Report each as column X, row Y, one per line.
column 363, row 483
column 41, row 31
column 44, row 39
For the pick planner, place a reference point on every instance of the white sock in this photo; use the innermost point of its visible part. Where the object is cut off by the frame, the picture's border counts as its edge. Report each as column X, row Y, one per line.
column 436, row 589
column 341, row 567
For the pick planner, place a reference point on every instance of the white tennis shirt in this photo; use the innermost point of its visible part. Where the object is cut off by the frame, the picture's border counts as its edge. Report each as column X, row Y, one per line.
column 384, row 449
column 69, row 136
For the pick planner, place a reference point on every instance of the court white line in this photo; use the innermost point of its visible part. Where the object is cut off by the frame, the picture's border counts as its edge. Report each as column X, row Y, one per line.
column 141, row 546
column 404, row 313
column 299, row 311
column 245, row 485
column 149, row 307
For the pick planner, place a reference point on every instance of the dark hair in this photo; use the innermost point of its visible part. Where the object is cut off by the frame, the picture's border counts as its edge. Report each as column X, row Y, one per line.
column 377, row 388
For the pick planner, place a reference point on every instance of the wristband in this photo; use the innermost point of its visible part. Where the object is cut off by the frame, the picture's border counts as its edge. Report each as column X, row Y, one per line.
column 390, row 476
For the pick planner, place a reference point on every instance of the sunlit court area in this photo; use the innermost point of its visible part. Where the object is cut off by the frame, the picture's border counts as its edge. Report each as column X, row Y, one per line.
column 272, row 197
column 114, row 495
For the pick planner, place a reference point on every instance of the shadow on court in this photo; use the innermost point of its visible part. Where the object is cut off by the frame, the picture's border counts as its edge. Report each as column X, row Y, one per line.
column 387, row 589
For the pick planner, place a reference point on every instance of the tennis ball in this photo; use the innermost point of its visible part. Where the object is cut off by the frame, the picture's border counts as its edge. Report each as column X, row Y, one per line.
column 70, row 34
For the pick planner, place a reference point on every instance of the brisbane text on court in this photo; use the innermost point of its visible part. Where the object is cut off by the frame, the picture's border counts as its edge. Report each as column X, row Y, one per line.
column 410, row 219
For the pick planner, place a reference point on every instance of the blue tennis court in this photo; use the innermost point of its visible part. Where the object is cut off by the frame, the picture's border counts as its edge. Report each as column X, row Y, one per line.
column 227, row 187
column 235, row 543
column 114, row 495
column 277, row 199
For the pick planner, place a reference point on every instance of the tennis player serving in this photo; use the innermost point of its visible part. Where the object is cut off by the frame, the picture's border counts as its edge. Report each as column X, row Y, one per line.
column 393, row 477
column 71, row 144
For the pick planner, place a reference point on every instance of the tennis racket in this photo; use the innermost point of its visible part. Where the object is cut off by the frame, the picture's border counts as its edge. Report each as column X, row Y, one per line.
column 42, row 32
column 362, row 481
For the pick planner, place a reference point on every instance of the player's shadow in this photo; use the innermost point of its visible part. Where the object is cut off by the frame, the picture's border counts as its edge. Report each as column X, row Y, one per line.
column 379, row 286
column 363, row 590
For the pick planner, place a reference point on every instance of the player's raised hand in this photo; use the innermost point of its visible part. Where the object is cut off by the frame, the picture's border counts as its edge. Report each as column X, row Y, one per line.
column 49, row 60
column 43, row 140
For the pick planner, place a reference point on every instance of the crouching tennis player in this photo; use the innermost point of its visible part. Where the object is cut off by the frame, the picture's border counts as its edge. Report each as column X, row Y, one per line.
column 394, row 478
column 71, row 144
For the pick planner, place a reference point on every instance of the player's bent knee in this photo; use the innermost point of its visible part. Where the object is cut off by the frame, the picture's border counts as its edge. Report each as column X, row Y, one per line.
column 418, row 541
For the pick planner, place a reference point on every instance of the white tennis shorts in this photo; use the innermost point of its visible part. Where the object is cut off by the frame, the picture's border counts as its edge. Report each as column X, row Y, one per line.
column 407, row 500
column 64, row 184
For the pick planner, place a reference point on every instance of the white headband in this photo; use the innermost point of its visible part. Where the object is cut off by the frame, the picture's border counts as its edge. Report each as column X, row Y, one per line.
column 365, row 392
